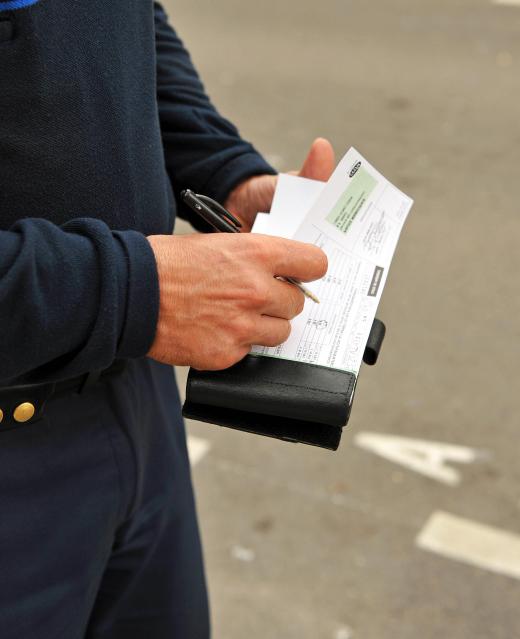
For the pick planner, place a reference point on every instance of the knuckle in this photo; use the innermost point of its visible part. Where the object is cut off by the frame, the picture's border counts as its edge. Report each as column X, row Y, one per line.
column 300, row 303
column 286, row 332
column 243, row 329
column 258, row 293
column 294, row 302
column 260, row 247
column 236, row 355
column 278, row 335
column 226, row 357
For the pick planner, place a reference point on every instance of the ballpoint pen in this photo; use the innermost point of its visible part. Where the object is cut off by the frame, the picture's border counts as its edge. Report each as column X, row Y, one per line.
column 222, row 220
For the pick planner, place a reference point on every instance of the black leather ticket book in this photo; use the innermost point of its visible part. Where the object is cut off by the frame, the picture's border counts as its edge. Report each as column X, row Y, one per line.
column 293, row 401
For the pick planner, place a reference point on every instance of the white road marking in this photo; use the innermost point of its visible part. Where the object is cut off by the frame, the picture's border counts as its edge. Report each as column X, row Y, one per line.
column 243, row 554
column 344, row 633
column 197, row 449
column 472, row 543
column 424, row 457
column 507, row 3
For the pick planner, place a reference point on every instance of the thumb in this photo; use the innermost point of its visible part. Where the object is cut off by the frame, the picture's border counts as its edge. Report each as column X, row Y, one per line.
column 320, row 161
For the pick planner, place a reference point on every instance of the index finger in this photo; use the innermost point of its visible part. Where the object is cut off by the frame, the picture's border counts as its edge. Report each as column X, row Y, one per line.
column 290, row 258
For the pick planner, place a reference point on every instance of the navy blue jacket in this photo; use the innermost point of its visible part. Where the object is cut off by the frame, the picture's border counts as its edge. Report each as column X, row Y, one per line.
column 103, row 120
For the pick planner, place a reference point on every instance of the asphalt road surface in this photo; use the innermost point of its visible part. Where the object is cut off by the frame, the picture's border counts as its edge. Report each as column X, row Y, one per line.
column 386, row 538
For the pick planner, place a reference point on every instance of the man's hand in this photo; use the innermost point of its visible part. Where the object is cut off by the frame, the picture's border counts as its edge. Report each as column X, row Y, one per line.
column 256, row 194
column 219, row 295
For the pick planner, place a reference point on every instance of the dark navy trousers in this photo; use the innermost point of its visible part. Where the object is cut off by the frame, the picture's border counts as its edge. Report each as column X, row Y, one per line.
column 98, row 530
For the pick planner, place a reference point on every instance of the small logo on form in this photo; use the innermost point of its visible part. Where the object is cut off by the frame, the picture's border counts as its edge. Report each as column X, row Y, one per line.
column 355, row 169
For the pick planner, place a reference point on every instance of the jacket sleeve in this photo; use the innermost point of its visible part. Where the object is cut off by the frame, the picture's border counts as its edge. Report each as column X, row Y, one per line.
column 203, row 150
column 73, row 298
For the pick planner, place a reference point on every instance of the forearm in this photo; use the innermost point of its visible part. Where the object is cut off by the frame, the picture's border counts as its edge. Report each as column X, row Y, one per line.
column 203, row 150
column 73, row 298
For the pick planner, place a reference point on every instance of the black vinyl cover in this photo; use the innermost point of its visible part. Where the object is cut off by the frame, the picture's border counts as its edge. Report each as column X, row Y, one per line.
column 293, row 401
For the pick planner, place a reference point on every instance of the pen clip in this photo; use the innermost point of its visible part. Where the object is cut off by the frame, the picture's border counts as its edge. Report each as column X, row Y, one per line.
column 213, row 212
column 218, row 208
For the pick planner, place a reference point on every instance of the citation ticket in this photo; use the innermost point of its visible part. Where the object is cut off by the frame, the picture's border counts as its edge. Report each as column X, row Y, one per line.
column 356, row 219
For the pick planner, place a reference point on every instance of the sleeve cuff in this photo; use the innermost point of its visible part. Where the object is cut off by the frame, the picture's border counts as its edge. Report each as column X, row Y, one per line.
column 235, row 171
column 142, row 296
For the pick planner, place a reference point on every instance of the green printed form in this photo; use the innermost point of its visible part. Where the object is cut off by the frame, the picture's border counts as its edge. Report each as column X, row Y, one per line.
column 352, row 200
column 355, row 219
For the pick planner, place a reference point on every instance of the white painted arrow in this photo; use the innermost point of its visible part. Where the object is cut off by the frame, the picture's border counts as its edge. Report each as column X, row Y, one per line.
column 472, row 543
column 425, row 457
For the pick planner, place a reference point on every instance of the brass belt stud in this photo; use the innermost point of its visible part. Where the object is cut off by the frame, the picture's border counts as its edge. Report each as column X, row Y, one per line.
column 24, row 412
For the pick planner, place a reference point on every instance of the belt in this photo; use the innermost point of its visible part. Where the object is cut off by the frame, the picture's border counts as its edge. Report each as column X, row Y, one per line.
column 25, row 403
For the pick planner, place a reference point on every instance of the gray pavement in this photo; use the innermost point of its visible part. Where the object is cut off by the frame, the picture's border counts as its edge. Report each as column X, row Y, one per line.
column 306, row 544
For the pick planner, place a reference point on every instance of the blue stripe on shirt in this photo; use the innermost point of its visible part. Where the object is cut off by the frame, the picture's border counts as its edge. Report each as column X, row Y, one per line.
column 16, row 4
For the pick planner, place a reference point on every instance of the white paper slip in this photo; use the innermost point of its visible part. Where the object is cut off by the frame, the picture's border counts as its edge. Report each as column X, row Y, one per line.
column 356, row 219
column 292, row 200
column 263, row 224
